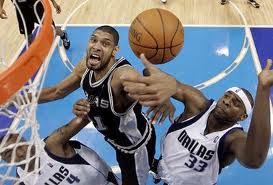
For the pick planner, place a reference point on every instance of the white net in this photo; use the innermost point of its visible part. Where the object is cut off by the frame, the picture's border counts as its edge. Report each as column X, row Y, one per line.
column 20, row 143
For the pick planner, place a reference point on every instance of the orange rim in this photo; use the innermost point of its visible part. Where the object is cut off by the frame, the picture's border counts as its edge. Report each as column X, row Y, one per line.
column 13, row 78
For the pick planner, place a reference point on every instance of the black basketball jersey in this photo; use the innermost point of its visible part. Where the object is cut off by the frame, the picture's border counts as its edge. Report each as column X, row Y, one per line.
column 126, row 131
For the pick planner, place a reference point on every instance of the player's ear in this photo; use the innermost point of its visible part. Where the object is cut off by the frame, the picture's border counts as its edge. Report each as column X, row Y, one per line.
column 116, row 49
column 243, row 117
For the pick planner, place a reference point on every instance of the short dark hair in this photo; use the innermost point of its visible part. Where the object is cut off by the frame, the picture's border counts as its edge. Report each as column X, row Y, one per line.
column 111, row 30
column 249, row 96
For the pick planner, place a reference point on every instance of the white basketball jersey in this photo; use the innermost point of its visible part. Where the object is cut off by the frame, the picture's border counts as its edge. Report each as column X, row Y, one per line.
column 189, row 157
column 85, row 168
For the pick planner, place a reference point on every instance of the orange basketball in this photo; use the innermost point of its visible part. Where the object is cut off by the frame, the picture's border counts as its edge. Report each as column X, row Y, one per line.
column 158, row 34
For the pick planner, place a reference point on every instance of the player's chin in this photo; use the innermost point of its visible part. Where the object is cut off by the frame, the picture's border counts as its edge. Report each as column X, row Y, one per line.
column 95, row 67
column 92, row 66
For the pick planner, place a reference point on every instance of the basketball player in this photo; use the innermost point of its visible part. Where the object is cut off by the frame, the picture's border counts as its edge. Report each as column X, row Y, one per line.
column 251, row 2
column 207, row 136
column 63, row 161
column 114, row 114
column 27, row 7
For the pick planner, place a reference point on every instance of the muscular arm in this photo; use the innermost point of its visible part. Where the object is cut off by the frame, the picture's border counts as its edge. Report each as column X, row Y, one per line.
column 117, row 87
column 193, row 99
column 158, row 86
column 59, row 138
column 65, row 87
column 57, row 142
column 251, row 148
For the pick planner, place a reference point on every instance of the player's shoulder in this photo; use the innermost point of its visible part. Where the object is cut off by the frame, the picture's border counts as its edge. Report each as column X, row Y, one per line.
column 236, row 132
column 234, row 135
column 122, row 62
column 80, row 68
column 124, row 67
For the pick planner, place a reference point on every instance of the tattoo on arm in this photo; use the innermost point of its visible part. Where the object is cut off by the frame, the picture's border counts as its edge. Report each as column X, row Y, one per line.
column 60, row 134
column 62, row 131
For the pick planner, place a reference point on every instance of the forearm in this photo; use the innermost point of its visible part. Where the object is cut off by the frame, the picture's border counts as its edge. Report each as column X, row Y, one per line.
column 60, row 90
column 258, row 137
column 180, row 91
column 74, row 126
column 46, row 95
column 64, row 134
column 50, row 94
column 189, row 95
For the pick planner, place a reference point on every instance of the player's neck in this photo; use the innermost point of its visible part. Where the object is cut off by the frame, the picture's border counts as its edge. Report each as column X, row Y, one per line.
column 216, row 124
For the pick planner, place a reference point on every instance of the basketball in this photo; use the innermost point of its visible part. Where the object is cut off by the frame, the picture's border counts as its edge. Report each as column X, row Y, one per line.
column 158, row 34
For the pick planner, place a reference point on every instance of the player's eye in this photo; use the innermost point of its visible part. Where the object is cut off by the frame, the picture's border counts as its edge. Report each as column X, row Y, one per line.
column 93, row 40
column 235, row 103
column 105, row 44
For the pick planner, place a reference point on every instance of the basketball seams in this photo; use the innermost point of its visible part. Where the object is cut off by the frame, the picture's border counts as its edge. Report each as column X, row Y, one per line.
column 150, row 35
column 147, row 31
column 160, row 40
column 147, row 47
column 164, row 38
column 173, row 37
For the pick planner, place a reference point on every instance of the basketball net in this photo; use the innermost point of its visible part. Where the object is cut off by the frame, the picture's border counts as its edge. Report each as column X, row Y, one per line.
column 20, row 85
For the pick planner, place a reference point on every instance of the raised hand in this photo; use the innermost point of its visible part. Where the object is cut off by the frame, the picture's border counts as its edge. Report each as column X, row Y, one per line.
column 81, row 108
column 152, row 89
column 266, row 75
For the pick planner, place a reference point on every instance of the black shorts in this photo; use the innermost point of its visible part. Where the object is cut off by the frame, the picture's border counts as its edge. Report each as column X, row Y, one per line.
column 27, row 10
column 134, row 168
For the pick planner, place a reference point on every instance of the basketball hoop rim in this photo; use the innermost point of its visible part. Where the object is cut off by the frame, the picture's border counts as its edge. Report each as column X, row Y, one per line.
column 13, row 78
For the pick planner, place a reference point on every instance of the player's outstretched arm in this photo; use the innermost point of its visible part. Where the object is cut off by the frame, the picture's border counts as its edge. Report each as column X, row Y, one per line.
column 159, row 112
column 157, row 87
column 65, row 87
column 152, row 89
column 251, row 149
column 57, row 141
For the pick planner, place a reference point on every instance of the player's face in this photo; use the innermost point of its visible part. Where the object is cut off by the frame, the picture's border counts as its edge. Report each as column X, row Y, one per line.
column 20, row 151
column 101, row 49
column 230, row 108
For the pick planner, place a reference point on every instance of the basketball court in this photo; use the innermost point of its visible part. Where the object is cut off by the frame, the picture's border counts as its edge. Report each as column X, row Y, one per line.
column 216, row 56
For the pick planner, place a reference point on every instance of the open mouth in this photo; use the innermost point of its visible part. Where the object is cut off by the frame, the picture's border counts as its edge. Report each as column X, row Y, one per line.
column 94, row 59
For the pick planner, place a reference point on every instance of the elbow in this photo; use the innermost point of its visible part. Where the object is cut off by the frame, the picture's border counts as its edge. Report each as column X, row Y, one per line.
column 255, row 164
